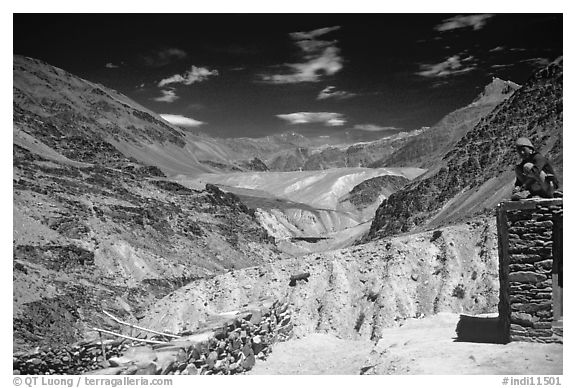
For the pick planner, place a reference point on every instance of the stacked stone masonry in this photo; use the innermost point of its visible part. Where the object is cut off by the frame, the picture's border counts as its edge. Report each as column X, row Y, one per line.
column 230, row 344
column 527, row 260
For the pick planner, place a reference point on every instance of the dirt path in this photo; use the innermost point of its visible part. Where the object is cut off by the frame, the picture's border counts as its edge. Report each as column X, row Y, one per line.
column 424, row 346
column 315, row 354
column 427, row 346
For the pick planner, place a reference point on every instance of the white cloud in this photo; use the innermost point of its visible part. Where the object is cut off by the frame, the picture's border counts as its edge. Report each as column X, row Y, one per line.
column 372, row 127
column 331, row 92
column 318, row 57
column 180, row 120
column 327, row 118
column 464, row 21
column 110, row 65
column 174, row 53
column 167, row 96
column 537, row 62
column 313, row 34
column 501, row 66
column 451, row 66
column 195, row 74
column 163, row 57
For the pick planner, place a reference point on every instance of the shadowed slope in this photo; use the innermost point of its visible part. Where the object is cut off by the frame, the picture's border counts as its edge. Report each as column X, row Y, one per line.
column 426, row 149
column 477, row 172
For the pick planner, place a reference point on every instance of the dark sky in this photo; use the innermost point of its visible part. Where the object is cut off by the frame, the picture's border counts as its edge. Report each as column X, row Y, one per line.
column 317, row 74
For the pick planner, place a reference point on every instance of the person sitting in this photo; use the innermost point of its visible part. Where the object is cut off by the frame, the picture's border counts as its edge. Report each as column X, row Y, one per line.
column 534, row 174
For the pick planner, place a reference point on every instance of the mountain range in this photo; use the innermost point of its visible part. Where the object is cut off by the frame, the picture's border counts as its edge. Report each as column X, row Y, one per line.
column 422, row 147
column 115, row 208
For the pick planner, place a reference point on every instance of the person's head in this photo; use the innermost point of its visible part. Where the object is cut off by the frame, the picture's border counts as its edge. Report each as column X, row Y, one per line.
column 524, row 147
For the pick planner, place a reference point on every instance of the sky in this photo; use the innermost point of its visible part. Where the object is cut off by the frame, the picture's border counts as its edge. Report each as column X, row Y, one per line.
column 253, row 75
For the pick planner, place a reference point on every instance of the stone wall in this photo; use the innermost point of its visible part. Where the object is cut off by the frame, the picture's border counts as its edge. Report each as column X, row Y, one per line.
column 229, row 344
column 527, row 256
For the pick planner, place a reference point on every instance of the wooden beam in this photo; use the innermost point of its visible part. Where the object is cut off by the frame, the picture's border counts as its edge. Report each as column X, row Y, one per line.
column 139, row 327
column 128, row 337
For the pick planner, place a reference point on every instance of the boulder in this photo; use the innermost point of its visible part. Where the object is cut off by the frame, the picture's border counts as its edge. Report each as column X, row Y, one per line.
column 249, row 362
column 526, row 277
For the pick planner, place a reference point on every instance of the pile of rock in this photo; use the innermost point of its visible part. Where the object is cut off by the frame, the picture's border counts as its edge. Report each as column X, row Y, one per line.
column 229, row 344
column 76, row 359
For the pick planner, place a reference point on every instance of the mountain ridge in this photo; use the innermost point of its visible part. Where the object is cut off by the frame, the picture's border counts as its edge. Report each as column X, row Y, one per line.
column 477, row 173
column 425, row 149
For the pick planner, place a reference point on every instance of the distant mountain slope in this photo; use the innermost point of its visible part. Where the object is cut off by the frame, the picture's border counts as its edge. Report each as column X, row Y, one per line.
column 477, row 172
column 290, row 151
column 427, row 148
column 319, row 189
column 361, row 154
column 58, row 105
column 365, row 197
column 419, row 148
column 264, row 147
column 288, row 160
column 311, row 203
column 368, row 191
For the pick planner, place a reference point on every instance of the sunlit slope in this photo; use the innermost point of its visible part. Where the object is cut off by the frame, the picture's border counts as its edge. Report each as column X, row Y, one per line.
column 62, row 106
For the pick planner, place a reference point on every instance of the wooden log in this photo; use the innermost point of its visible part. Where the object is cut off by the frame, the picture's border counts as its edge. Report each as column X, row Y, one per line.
column 128, row 337
column 103, row 346
column 139, row 327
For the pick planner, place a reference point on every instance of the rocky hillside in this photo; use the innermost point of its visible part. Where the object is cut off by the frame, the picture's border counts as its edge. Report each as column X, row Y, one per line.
column 367, row 192
column 425, row 149
column 364, row 198
column 355, row 292
column 477, row 172
column 96, row 228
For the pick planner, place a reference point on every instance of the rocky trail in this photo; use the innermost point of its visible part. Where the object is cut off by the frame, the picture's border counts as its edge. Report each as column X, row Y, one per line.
column 429, row 346
column 315, row 354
